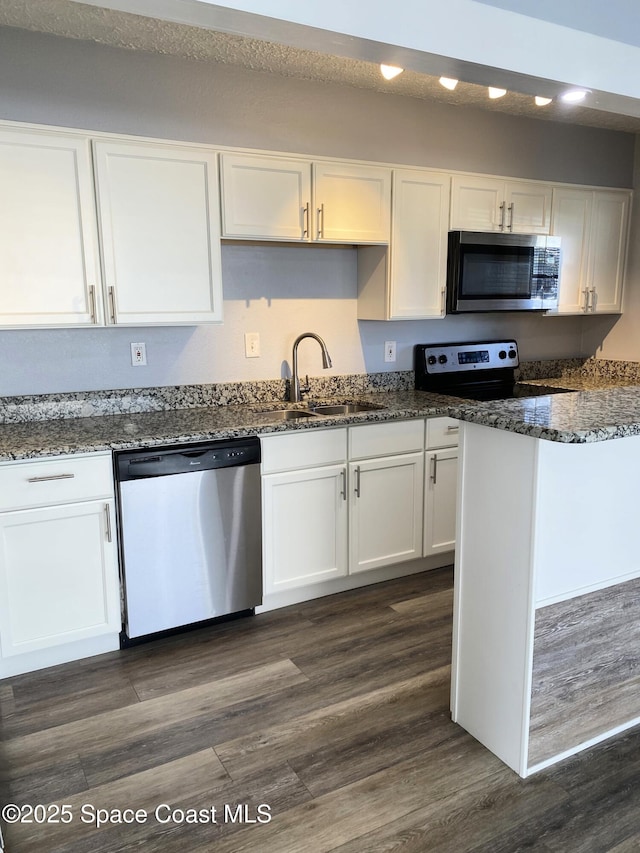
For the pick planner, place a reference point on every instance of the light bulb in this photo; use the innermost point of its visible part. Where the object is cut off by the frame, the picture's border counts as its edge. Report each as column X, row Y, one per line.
column 574, row 96
column 448, row 83
column 390, row 71
column 542, row 102
column 496, row 93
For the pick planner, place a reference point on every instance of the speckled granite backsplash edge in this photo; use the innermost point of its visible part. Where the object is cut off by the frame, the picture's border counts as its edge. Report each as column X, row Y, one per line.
column 86, row 404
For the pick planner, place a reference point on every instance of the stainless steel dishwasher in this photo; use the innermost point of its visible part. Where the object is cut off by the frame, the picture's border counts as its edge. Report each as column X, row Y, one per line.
column 190, row 533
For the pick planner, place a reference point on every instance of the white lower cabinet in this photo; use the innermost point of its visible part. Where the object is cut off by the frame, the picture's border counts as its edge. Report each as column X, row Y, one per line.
column 386, row 511
column 441, row 486
column 304, row 508
column 304, row 526
column 59, row 585
column 338, row 502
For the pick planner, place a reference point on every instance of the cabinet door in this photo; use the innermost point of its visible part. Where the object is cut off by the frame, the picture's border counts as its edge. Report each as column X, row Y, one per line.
column 352, row 203
column 161, row 233
column 572, row 223
column 304, row 524
column 607, row 250
column 386, row 511
column 58, row 576
column 477, row 204
column 418, row 270
column 48, row 238
column 265, row 198
column 441, row 478
column 528, row 207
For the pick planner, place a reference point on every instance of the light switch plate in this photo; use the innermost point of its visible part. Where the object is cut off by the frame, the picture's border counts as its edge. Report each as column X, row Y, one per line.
column 252, row 345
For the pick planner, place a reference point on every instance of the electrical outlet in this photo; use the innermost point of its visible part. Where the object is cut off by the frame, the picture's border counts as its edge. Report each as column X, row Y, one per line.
column 251, row 345
column 389, row 350
column 138, row 354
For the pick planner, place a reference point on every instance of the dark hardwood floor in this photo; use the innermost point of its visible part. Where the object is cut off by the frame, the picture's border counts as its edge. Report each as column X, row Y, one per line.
column 333, row 714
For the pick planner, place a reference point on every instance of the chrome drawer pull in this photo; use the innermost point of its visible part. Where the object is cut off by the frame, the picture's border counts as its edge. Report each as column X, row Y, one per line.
column 51, row 477
column 453, row 429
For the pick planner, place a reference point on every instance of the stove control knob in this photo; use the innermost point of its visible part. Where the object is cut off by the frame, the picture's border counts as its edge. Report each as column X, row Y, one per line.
column 512, row 353
column 502, row 354
column 432, row 359
column 442, row 359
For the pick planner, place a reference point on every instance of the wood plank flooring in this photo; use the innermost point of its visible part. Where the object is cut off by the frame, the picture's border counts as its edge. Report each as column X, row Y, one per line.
column 586, row 668
column 332, row 713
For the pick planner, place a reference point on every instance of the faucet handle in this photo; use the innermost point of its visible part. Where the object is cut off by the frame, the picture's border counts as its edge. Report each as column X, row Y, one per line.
column 304, row 389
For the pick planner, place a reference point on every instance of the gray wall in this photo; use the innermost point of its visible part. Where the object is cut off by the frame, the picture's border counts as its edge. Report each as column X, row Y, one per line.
column 278, row 291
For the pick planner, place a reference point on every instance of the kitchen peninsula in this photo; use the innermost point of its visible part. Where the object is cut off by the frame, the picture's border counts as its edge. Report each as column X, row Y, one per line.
column 546, row 658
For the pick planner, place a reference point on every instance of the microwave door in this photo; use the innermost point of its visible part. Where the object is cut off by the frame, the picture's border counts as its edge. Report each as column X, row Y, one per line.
column 501, row 272
column 496, row 277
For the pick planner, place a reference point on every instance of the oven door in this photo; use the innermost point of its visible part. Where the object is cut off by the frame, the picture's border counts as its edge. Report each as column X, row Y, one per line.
column 502, row 272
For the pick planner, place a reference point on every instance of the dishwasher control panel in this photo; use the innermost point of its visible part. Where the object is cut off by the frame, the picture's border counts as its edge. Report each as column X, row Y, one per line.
column 182, row 459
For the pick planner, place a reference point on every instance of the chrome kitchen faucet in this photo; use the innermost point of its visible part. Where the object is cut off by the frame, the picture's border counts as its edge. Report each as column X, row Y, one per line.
column 294, row 391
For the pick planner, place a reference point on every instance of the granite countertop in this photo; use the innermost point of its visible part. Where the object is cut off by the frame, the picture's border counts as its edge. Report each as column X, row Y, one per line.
column 35, row 439
column 593, row 410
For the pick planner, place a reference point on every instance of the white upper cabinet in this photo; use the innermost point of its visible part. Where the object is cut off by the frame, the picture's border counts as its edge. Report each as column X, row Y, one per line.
column 48, row 242
column 410, row 282
column 158, row 207
column 609, row 235
column 265, row 197
column 273, row 198
column 593, row 227
column 352, row 203
column 494, row 204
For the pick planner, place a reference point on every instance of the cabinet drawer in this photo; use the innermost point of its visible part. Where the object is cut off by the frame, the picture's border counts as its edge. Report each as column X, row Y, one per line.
column 385, row 439
column 55, row 481
column 303, row 450
column 442, row 432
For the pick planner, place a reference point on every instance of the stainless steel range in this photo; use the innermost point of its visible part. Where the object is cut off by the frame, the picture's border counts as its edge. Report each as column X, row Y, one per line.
column 482, row 370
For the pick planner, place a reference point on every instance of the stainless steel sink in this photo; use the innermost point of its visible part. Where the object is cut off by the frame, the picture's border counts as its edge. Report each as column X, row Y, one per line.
column 272, row 415
column 345, row 408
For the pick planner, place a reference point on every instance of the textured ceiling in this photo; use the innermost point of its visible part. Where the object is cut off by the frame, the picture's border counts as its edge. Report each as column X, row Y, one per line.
column 135, row 32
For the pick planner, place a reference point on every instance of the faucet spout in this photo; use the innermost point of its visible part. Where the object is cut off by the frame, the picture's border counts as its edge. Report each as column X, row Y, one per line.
column 294, row 391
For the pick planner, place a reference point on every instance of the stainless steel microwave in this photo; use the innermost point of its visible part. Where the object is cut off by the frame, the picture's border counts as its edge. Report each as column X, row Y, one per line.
column 502, row 272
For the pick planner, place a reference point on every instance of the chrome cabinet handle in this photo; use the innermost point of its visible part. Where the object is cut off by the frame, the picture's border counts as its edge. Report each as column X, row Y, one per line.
column 453, row 429
column 305, row 220
column 434, row 469
column 442, row 304
column 320, row 214
column 510, row 209
column 51, row 477
column 586, row 299
column 357, row 483
column 92, row 303
column 112, row 304
column 594, row 298
column 343, row 490
column 107, row 514
column 502, row 207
